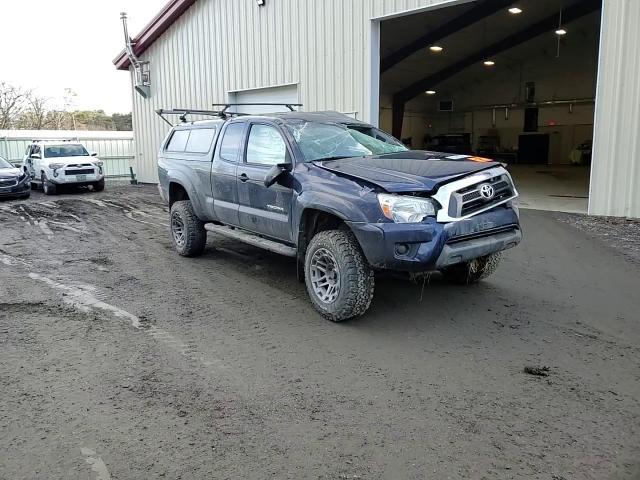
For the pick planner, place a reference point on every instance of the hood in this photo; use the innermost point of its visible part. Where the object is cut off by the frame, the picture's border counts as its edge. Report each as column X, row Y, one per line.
column 410, row 171
column 77, row 160
column 10, row 172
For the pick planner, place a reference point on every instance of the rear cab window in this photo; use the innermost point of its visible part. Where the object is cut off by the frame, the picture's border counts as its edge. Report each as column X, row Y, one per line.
column 231, row 142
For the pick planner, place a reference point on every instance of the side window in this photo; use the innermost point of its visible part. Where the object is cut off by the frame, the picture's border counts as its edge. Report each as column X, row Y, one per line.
column 178, row 141
column 200, row 140
column 266, row 146
column 36, row 149
column 231, row 142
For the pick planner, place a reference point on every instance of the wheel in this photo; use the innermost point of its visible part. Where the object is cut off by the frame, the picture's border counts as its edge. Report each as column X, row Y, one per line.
column 187, row 230
column 339, row 280
column 47, row 187
column 472, row 271
column 98, row 186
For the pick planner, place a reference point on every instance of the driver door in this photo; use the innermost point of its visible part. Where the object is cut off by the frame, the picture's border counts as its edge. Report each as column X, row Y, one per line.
column 264, row 210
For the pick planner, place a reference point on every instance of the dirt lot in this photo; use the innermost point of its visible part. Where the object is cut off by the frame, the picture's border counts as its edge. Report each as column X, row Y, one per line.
column 120, row 359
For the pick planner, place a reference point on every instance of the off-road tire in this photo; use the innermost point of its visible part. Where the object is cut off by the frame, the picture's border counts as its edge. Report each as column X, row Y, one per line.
column 195, row 236
column 472, row 271
column 47, row 187
column 356, row 276
column 98, row 186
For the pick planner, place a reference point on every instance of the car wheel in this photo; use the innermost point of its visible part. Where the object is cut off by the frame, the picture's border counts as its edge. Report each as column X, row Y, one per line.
column 98, row 186
column 472, row 271
column 47, row 187
column 187, row 230
column 339, row 280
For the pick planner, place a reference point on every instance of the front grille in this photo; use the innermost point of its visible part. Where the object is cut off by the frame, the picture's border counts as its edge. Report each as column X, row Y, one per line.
column 481, row 234
column 80, row 171
column 8, row 182
column 471, row 201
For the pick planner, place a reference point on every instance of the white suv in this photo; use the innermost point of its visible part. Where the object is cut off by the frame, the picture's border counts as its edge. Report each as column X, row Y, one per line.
column 53, row 163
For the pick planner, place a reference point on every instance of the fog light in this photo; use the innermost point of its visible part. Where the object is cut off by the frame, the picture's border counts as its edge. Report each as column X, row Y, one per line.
column 402, row 248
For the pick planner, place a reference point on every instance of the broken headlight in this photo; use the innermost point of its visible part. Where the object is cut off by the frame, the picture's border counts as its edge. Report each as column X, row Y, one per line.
column 405, row 209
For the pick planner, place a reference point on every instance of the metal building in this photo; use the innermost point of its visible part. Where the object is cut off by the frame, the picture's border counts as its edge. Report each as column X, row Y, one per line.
column 327, row 55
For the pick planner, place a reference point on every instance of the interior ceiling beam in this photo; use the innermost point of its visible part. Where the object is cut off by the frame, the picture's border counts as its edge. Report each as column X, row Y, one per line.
column 547, row 25
column 482, row 10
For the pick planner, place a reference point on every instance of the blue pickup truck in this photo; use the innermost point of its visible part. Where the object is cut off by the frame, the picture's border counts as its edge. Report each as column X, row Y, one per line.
column 341, row 196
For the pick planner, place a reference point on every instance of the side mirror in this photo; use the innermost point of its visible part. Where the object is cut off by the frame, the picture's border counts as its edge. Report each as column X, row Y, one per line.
column 274, row 173
column 35, row 155
column 94, row 154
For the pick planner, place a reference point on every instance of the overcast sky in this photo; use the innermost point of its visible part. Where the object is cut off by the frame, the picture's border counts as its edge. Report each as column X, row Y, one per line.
column 50, row 45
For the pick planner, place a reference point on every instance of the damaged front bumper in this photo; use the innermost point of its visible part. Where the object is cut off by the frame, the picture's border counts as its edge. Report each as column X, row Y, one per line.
column 429, row 245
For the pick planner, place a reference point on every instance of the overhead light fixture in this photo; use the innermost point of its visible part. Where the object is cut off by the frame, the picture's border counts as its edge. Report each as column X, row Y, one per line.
column 436, row 48
column 561, row 31
column 515, row 11
column 430, row 92
column 489, row 63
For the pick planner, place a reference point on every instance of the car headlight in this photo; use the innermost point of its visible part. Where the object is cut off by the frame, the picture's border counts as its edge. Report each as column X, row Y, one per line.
column 405, row 209
column 56, row 166
column 97, row 163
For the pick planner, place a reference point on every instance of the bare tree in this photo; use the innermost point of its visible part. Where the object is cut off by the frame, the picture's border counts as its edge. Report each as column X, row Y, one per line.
column 34, row 117
column 13, row 102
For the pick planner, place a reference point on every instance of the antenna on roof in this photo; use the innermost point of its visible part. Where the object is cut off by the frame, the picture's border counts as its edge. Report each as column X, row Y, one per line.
column 142, row 72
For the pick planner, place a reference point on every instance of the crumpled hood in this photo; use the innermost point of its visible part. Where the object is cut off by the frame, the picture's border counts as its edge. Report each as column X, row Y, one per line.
column 411, row 171
column 10, row 172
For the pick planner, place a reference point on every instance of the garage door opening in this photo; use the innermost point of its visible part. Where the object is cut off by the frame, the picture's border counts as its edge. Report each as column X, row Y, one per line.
column 512, row 80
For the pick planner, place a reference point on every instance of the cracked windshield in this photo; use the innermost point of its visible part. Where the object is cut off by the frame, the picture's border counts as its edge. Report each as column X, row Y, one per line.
column 330, row 141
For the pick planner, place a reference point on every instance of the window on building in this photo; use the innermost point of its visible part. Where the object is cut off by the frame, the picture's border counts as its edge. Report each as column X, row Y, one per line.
column 178, row 141
column 200, row 140
column 231, row 142
column 266, row 146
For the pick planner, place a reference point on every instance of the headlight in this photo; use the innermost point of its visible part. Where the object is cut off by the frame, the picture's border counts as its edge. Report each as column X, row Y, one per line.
column 22, row 177
column 97, row 163
column 56, row 166
column 404, row 209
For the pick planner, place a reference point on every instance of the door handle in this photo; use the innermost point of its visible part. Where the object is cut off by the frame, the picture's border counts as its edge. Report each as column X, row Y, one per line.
column 243, row 177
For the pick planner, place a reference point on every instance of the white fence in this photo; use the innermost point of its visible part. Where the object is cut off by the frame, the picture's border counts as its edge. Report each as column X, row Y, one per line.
column 115, row 149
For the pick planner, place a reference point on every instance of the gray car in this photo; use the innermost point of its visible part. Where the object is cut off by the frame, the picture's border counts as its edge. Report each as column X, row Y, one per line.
column 14, row 182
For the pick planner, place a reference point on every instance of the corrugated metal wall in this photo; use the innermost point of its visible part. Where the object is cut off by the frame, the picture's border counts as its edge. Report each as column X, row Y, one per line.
column 115, row 149
column 219, row 46
column 615, row 171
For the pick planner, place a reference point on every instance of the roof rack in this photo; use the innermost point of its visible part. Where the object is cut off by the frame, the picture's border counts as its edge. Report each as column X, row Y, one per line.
column 227, row 105
column 39, row 140
column 222, row 113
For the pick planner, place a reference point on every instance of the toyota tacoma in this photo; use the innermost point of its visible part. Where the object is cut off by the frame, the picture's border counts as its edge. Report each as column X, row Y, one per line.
column 341, row 196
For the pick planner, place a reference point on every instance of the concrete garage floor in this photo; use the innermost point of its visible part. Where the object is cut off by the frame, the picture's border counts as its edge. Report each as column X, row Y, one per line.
column 120, row 359
column 556, row 188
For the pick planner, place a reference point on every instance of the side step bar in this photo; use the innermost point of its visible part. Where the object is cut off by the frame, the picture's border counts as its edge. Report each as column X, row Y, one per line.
column 252, row 239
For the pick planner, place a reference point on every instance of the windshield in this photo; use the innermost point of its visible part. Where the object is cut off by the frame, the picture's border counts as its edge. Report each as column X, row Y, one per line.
column 55, row 151
column 325, row 141
column 4, row 163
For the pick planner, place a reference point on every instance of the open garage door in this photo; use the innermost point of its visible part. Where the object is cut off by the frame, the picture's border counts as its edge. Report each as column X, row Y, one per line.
column 285, row 94
column 514, row 80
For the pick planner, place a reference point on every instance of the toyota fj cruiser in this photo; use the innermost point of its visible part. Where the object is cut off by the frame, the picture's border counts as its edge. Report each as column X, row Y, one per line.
column 341, row 196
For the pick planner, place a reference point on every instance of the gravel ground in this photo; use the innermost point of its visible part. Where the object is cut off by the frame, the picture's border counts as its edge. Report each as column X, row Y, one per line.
column 121, row 360
column 622, row 234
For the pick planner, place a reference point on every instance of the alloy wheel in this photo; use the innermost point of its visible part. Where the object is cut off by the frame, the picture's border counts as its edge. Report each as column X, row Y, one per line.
column 325, row 275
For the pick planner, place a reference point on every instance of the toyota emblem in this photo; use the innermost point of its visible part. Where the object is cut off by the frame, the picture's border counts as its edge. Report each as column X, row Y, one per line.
column 487, row 191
